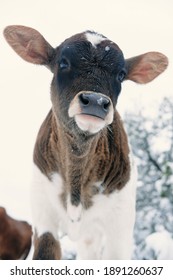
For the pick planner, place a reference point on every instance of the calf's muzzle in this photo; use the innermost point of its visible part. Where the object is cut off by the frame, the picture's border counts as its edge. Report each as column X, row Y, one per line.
column 94, row 104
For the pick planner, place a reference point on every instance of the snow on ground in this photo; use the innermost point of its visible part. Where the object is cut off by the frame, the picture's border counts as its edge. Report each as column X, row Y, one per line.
column 159, row 246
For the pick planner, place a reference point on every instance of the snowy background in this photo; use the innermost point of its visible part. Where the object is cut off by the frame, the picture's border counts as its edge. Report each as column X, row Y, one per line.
column 137, row 27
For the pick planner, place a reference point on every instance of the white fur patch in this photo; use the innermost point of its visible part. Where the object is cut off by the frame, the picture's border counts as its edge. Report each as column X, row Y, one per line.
column 112, row 218
column 104, row 231
column 74, row 220
column 47, row 208
column 74, row 212
column 89, row 123
column 94, row 38
column 74, row 108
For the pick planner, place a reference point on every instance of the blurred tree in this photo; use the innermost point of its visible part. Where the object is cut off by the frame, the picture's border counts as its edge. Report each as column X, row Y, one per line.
column 152, row 144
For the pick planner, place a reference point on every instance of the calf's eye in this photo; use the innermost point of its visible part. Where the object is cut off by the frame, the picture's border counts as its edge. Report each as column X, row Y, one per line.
column 121, row 75
column 64, row 64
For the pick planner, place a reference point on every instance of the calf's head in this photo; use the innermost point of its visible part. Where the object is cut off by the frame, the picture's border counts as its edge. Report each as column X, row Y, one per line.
column 88, row 70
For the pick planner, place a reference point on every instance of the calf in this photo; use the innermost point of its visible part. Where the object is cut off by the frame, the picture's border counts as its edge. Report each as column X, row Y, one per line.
column 15, row 237
column 84, row 175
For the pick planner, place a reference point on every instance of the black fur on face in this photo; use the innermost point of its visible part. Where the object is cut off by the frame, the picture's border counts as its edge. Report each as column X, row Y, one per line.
column 80, row 66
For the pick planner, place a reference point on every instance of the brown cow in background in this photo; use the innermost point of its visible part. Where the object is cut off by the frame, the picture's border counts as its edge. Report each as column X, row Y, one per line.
column 15, row 237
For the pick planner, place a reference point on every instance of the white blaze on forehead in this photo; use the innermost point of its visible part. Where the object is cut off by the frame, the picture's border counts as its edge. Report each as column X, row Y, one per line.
column 94, row 38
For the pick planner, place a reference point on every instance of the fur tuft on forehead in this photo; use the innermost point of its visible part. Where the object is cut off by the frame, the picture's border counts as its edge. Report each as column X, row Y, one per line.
column 94, row 38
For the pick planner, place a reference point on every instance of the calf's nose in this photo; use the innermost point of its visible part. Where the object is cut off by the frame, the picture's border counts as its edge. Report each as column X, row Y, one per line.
column 94, row 104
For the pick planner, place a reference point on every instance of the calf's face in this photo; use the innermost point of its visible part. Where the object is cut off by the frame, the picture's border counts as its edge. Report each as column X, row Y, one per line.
column 87, row 81
column 88, row 70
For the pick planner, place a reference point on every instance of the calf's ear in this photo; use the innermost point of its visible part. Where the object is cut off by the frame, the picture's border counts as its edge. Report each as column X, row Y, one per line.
column 29, row 44
column 144, row 68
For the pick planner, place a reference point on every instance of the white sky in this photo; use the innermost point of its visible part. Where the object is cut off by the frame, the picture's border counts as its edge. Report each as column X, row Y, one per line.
column 136, row 26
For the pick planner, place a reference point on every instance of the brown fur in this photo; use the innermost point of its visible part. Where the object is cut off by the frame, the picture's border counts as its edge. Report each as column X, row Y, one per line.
column 102, row 158
column 15, row 237
column 47, row 248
